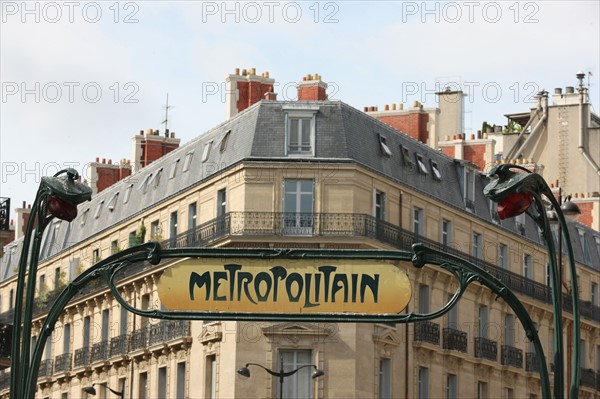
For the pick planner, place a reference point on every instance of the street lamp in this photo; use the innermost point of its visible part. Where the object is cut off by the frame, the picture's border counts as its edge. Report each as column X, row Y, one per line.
column 57, row 196
column 245, row 372
column 515, row 189
column 92, row 391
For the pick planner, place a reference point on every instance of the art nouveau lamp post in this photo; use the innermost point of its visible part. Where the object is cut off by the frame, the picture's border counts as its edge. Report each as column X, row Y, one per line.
column 245, row 372
column 57, row 196
column 517, row 190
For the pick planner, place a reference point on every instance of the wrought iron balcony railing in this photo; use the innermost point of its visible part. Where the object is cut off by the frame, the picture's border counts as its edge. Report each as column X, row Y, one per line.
column 486, row 349
column 138, row 339
column 511, row 356
column 427, row 331
column 531, row 362
column 118, row 345
column 99, row 351
column 62, row 363
column 82, row 356
column 159, row 333
column 454, row 339
column 587, row 378
column 45, row 369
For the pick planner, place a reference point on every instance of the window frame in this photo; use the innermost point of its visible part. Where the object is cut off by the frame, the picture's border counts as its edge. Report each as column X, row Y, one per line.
column 300, row 114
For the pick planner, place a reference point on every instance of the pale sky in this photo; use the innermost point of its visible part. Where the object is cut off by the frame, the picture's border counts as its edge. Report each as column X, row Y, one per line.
column 79, row 79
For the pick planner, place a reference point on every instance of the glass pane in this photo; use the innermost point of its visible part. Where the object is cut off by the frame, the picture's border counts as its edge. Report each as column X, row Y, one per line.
column 306, row 202
column 306, row 134
column 294, row 134
column 289, row 203
column 306, row 186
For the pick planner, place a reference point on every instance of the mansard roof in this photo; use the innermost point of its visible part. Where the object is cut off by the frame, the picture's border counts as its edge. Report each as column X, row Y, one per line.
column 343, row 134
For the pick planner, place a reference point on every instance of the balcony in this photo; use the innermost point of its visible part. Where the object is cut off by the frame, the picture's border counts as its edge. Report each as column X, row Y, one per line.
column 62, row 363
column 427, row 331
column 588, row 378
column 82, row 357
column 454, row 339
column 162, row 332
column 138, row 339
column 45, row 369
column 531, row 362
column 511, row 356
column 99, row 351
column 486, row 349
column 118, row 345
column 168, row 330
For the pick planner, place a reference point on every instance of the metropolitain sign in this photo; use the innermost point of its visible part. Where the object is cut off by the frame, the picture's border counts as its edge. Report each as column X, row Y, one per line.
column 285, row 286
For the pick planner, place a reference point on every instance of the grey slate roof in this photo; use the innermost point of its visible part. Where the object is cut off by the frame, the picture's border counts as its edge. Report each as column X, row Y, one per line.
column 343, row 134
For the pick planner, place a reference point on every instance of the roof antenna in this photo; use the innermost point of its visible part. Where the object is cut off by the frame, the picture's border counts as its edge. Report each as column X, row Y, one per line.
column 166, row 121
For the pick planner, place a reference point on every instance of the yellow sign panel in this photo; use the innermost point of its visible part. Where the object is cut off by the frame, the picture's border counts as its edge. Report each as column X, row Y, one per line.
column 285, row 286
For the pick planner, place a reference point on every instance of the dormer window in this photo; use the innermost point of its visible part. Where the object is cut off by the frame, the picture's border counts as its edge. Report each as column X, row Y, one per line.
column 206, row 151
column 144, row 186
column 127, row 193
column 436, row 171
column 173, row 170
column 84, row 216
column 156, row 180
column 406, row 157
column 422, row 168
column 188, row 161
column 384, row 147
column 469, row 188
column 300, row 131
column 98, row 210
column 224, row 141
column 113, row 201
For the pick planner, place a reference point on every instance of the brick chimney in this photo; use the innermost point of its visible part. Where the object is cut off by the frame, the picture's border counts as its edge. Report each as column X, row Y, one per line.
column 312, row 88
column 151, row 146
column 246, row 89
column 103, row 174
column 412, row 121
column 22, row 218
column 479, row 151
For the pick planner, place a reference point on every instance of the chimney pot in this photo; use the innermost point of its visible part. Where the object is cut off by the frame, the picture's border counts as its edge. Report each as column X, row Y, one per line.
column 401, row 106
column 237, row 71
column 97, row 159
column 110, row 161
column 28, row 206
column 569, row 90
column 244, row 72
column 141, row 132
column 558, row 90
column 366, row 109
column 24, row 204
column 394, row 107
column 387, row 107
column 103, row 160
column 172, row 135
column 472, row 137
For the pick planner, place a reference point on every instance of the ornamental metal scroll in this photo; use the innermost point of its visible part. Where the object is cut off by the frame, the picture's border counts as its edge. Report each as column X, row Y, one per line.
column 233, row 286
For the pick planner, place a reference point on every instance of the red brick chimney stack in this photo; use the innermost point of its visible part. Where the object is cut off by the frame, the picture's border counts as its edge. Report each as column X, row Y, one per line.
column 312, row 88
column 245, row 89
